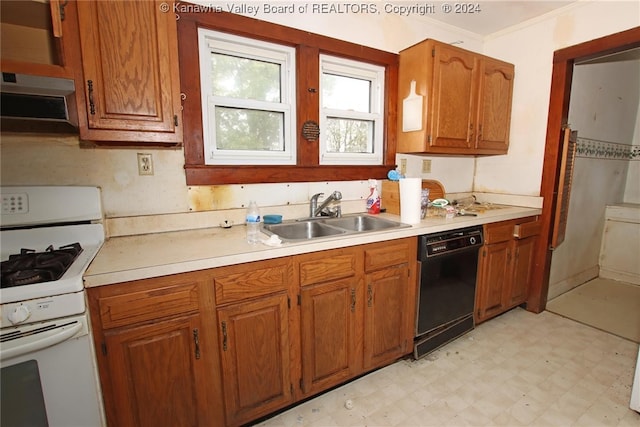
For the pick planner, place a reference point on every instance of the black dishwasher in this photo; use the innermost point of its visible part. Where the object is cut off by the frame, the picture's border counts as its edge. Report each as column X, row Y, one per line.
column 448, row 264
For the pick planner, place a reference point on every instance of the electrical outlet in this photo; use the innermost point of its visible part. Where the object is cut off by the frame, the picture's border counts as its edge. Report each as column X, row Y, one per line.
column 145, row 164
column 403, row 166
column 426, row 166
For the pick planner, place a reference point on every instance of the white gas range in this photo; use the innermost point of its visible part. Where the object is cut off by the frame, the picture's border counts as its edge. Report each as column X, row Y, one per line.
column 49, row 235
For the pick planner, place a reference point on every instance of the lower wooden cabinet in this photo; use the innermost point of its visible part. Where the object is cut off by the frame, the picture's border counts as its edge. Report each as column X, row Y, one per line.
column 156, row 363
column 357, row 310
column 330, row 315
column 229, row 345
column 505, row 266
column 156, row 353
column 390, row 298
column 328, row 332
column 387, row 336
column 254, row 350
column 254, row 340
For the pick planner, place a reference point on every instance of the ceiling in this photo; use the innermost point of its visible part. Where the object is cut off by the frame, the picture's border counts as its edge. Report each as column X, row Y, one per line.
column 494, row 15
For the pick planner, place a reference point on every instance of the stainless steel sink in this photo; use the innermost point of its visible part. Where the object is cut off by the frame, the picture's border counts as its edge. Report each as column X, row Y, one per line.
column 302, row 230
column 362, row 223
column 317, row 228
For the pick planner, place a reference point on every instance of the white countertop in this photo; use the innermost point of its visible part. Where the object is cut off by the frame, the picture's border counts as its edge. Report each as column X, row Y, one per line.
column 127, row 258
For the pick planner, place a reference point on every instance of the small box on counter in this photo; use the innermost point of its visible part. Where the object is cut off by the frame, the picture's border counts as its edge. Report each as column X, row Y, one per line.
column 391, row 194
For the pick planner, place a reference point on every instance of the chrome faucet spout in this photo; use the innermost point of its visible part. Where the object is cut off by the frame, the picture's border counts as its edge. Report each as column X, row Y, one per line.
column 315, row 210
column 313, row 204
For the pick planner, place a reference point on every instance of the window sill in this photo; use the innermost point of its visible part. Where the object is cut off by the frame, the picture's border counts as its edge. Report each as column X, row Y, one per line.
column 206, row 175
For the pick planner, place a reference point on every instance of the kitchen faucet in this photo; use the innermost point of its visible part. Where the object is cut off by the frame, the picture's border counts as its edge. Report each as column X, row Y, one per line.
column 322, row 210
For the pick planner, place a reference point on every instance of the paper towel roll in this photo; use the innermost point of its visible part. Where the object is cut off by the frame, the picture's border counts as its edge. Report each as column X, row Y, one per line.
column 410, row 194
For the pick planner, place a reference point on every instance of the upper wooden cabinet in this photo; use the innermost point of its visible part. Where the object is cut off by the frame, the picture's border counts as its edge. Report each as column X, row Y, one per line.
column 465, row 105
column 131, row 85
column 32, row 33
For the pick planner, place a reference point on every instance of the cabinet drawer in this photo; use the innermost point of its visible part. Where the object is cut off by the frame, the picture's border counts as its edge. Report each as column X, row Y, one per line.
column 387, row 255
column 330, row 267
column 135, row 307
column 498, row 232
column 528, row 229
column 239, row 285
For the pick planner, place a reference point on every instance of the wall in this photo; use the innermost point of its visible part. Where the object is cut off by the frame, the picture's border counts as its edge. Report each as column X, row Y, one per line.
column 42, row 160
column 55, row 160
column 604, row 111
column 530, row 47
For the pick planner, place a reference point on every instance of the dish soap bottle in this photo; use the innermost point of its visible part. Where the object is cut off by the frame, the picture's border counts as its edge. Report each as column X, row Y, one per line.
column 253, row 223
column 373, row 200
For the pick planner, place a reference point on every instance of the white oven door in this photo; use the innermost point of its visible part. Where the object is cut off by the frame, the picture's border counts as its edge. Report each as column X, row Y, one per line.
column 48, row 375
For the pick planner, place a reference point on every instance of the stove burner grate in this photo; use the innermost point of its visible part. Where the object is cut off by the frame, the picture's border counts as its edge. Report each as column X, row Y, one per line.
column 29, row 267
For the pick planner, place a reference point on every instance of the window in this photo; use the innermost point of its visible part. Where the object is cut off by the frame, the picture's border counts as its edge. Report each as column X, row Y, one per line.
column 248, row 100
column 293, row 152
column 351, row 119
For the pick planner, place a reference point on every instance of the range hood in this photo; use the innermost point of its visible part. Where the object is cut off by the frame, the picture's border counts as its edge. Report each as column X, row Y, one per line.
column 37, row 104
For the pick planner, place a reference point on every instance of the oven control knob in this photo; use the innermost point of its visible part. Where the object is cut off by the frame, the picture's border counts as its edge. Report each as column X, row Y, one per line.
column 19, row 314
column 472, row 240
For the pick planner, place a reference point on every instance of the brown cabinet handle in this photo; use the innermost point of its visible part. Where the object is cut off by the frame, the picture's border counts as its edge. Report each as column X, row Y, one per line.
column 196, row 341
column 369, row 295
column 224, row 336
column 92, row 105
column 353, row 300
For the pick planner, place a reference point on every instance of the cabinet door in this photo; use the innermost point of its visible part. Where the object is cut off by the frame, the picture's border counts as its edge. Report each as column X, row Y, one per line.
column 254, row 346
column 523, row 262
column 328, row 328
column 494, row 109
column 156, row 374
column 493, row 280
column 454, row 93
column 131, row 78
column 386, row 331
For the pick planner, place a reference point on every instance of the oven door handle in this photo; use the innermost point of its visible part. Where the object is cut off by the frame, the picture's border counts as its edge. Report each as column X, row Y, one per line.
column 49, row 338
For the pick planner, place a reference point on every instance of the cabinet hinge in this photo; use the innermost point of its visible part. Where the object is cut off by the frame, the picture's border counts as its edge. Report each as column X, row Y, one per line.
column 301, row 384
column 289, row 303
column 103, row 346
column 175, row 120
column 299, row 299
column 291, row 388
column 429, row 139
column 433, row 52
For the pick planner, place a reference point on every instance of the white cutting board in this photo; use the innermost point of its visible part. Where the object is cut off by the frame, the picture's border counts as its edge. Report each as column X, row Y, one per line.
column 412, row 110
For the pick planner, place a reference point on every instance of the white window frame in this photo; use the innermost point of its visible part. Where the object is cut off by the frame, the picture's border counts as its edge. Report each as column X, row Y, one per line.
column 209, row 42
column 364, row 71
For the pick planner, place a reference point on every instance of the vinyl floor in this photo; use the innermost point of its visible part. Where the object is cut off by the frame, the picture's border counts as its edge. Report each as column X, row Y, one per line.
column 519, row 369
column 606, row 304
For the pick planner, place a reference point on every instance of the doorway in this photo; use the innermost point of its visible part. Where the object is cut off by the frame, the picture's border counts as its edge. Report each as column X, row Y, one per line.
column 562, row 75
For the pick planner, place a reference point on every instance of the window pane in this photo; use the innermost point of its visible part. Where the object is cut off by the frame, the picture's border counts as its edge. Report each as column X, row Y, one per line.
column 346, row 93
column 244, row 129
column 349, row 136
column 245, row 78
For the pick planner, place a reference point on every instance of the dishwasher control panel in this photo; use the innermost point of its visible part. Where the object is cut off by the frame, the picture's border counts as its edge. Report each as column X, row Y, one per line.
column 449, row 241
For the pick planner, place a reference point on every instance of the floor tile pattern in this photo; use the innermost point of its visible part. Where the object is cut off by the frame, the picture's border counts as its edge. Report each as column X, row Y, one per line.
column 519, row 369
column 605, row 304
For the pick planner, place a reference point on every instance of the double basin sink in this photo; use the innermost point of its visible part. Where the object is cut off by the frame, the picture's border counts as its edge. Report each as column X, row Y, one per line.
column 316, row 228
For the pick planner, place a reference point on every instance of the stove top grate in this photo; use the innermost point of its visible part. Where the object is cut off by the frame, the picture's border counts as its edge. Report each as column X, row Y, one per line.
column 29, row 267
